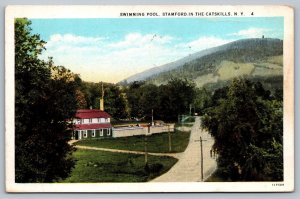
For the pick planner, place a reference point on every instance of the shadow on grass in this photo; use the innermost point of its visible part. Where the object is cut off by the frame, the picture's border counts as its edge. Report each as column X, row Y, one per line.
column 98, row 166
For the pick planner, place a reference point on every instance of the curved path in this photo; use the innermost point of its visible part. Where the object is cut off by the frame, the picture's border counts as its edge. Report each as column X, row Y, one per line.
column 174, row 155
column 188, row 169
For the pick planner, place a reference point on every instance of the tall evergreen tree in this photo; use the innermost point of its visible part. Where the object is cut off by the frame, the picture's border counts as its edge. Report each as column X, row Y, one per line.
column 45, row 98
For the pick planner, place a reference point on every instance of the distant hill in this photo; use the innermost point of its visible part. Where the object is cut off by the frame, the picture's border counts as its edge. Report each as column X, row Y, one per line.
column 259, row 59
column 167, row 67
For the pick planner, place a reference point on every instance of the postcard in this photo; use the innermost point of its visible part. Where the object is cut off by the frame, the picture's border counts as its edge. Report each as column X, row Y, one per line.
column 149, row 98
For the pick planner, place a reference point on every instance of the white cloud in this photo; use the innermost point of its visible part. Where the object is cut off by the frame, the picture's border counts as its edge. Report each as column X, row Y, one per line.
column 137, row 39
column 100, row 59
column 71, row 40
column 205, row 42
column 251, row 32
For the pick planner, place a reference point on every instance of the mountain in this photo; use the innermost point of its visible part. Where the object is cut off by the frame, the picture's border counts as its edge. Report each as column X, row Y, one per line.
column 257, row 58
column 169, row 66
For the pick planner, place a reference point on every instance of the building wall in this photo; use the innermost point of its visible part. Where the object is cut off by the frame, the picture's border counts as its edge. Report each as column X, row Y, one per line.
column 93, row 134
column 123, row 132
column 94, row 120
column 91, row 121
column 128, row 131
column 132, row 131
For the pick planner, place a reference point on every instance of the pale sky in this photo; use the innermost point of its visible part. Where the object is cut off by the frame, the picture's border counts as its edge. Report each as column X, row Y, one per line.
column 111, row 50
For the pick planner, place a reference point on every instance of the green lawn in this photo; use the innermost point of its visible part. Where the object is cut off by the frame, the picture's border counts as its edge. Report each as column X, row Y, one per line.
column 99, row 166
column 158, row 143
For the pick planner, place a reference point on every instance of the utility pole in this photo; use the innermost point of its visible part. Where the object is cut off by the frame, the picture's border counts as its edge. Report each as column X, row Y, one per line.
column 170, row 141
column 201, row 157
column 146, row 149
column 152, row 123
column 201, row 148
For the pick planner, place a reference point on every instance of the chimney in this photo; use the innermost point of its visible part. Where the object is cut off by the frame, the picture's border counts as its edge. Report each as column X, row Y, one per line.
column 102, row 99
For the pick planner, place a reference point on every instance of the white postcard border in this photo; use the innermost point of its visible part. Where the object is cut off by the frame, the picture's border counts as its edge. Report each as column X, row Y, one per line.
column 114, row 12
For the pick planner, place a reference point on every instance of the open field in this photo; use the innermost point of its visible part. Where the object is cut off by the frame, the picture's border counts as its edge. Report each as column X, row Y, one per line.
column 99, row 166
column 276, row 60
column 267, row 69
column 157, row 143
column 229, row 69
column 204, row 79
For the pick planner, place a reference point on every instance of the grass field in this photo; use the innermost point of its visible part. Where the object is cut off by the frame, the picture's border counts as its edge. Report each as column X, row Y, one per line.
column 204, row 79
column 158, row 143
column 260, row 71
column 99, row 166
column 229, row 69
column 276, row 60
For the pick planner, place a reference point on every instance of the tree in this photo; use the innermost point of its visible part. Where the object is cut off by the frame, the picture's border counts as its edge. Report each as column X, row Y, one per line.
column 202, row 100
column 247, row 127
column 175, row 98
column 142, row 99
column 115, row 102
column 134, row 94
column 45, row 98
column 149, row 100
column 167, row 101
column 81, row 101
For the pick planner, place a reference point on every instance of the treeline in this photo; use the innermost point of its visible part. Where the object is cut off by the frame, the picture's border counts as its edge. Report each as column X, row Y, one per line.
column 246, row 122
column 138, row 99
column 115, row 101
column 167, row 101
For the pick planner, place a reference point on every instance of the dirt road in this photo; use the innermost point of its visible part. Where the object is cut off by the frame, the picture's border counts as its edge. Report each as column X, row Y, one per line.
column 188, row 168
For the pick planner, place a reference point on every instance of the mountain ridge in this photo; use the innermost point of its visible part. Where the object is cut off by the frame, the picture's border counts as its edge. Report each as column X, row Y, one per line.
column 243, row 57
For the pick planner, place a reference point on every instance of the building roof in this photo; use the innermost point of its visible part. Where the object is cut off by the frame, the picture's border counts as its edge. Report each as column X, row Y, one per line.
column 91, row 113
column 92, row 126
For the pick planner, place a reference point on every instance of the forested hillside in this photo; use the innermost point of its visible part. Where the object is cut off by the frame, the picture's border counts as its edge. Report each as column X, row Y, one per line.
column 256, row 59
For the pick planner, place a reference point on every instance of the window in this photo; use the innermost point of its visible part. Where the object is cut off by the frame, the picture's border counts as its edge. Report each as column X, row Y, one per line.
column 99, row 120
column 78, row 121
column 101, row 132
column 93, row 133
column 108, row 131
column 84, row 134
column 90, row 120
column 106, row 119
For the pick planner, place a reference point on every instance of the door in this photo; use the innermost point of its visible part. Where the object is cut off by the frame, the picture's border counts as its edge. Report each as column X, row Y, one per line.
column 76, row 135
